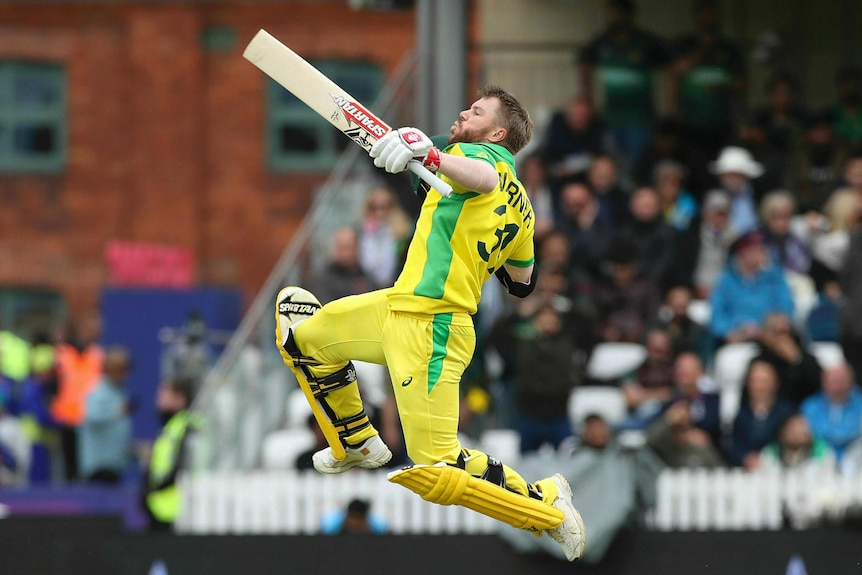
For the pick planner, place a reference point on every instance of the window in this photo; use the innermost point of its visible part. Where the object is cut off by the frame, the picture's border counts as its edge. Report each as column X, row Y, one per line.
column 298, row 139
column 32, row 117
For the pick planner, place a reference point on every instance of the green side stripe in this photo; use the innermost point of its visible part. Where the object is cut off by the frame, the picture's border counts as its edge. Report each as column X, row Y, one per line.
column 438, row 351
column 521, row 263
column 439, row 258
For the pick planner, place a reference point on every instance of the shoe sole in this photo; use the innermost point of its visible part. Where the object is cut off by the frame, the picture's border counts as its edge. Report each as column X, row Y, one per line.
column 566, row 497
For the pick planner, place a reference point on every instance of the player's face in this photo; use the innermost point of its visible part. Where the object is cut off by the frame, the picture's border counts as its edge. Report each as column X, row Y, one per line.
column 476, row 124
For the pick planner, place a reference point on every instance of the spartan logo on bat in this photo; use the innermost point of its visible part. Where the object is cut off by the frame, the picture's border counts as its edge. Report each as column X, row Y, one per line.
column 356, row 114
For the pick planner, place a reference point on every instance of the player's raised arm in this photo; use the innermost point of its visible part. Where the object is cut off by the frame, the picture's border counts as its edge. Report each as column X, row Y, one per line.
column 394, row 150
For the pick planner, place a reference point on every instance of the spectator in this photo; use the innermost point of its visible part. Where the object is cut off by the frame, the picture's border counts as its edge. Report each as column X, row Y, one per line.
column 573, row 137
column 650, row 234
column 385, row 229
column 104, row 441
column 701, row 255
column 678, row 206
column 651, row 385
column 624, row 302
column 342, row 276
column 815, row 170
column 161, row 492
column 760, row 416
column 667, row 144
column 588, row 235
column 797, row 449
column 544, row 381
column 749, row 289
column 626, row 58
column 34, row 409
column 827, row 235
column 798, row 371
column 735, row 169
column 852, row 173
column 534, row 176
column 782, row 118
column 752, row 135
column 850, row 281
column 686, row 334
column 190, row 355
column 355, row 519
column 783, row 246
column 835, row 413
column 848, row 110
column 616, row 486
column 79, row 368
column 710, row 78
column 613, row 200
column 14, row 448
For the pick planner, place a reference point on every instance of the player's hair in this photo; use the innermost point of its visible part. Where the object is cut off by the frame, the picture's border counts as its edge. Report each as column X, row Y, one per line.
column 515, row 118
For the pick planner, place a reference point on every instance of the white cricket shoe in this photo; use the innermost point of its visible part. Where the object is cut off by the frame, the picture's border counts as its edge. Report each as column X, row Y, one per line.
column 370, row 455
column 571, row 534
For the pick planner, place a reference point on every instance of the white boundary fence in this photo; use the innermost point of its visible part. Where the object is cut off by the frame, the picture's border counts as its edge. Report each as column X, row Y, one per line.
column 290, row 502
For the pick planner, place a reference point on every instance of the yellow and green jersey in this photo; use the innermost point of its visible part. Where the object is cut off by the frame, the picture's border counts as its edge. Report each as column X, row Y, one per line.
column 461, row 241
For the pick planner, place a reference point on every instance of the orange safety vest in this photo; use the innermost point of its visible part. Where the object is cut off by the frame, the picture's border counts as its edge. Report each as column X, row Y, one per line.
column 77, row 375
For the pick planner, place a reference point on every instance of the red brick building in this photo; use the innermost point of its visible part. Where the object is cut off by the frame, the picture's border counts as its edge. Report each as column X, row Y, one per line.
column 165, row 134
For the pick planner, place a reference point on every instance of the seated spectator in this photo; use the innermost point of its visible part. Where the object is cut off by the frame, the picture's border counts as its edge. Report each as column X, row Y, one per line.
column 624, row 302
column 573, row 137
column 848, row 109
column 687, row 431
column 797, row 449
column 534, row 175
column 667, row 144
column 761, row 414
column 798, row 372
column 782, row 117
column 827, row 235
column 835, row 413
column 852, row 172
column 700, row 255
column 651, row 384
column 545, row 378
column 677, row 204
column 14, row 448
column 651, row 236
column 602, row 178
column 752, row 135
column 735, row 169
column 748, row 290
column 588, row 235
column 342, row 276
column 105, row 436
column 385, row 230
column 616, row 486
column 355, row 519
column 816, row 167
column 685, row 333
column 782, row 245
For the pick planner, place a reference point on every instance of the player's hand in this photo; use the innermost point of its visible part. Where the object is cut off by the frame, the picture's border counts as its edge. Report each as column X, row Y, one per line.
column 394, row 150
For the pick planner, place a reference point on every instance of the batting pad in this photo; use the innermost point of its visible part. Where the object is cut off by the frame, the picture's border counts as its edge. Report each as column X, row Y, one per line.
column 447, row 485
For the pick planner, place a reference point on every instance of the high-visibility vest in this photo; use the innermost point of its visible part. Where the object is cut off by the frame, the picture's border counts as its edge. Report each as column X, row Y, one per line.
column 78, row 373
column 14, row 356
column 164, row 504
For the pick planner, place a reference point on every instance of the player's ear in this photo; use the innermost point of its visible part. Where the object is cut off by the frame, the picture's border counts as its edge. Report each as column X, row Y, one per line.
column 497, row 135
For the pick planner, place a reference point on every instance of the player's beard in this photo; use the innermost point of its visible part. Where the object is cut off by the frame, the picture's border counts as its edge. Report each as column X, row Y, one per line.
column 461, row 135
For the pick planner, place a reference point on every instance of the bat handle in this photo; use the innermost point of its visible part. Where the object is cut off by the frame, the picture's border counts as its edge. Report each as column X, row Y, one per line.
column 429, row 178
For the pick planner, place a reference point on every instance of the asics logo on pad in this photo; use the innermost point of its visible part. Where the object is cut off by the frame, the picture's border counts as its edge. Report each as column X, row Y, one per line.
column 407, row 382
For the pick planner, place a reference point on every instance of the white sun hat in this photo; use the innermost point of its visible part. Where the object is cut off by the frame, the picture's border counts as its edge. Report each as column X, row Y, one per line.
column 736, row 160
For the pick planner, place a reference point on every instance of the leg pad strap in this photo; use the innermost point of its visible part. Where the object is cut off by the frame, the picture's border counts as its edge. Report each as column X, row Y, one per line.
column 447, row 485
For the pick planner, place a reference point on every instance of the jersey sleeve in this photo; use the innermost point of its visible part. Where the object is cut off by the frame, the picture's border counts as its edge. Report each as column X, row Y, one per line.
column 523, row 255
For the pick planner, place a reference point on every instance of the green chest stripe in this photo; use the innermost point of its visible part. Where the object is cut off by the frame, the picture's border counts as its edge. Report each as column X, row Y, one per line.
column 439, row 249
column 438, row 351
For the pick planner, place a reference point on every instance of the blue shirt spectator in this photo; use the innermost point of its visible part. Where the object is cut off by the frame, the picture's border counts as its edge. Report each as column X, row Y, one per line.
column 835, row 413
column 748, row 290
column 104, row 438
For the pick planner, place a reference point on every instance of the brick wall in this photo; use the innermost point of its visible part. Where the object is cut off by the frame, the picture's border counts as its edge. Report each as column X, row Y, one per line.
column 166, row 138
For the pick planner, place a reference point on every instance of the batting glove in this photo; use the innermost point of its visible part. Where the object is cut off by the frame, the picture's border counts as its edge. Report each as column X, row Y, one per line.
column 394, row 150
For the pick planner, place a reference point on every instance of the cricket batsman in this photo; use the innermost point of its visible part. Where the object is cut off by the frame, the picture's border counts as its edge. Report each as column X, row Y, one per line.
column 421, row 327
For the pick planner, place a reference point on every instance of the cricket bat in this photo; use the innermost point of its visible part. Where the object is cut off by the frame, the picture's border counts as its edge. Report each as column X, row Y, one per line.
column 326, row 98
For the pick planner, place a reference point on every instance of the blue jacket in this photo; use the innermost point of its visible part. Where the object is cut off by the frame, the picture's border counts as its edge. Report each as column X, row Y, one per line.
column 104, row 438
column 838, row 425
column 737, row 301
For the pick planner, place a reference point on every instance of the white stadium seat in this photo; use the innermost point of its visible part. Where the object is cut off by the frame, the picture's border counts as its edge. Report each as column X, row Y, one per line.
column 828, row 354
column 700, row 311
column 612, row 360
column 731, row 364
column 281, row 448
column 606, row 401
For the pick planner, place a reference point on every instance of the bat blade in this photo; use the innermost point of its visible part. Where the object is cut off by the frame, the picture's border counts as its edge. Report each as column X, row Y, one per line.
column 325, row 97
